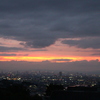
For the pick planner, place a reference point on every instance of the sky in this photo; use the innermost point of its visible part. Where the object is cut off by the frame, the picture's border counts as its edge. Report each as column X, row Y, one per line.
column 50, row 35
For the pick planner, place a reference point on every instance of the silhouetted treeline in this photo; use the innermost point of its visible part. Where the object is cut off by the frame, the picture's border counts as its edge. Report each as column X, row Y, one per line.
column 14, row 91
column 51, row 88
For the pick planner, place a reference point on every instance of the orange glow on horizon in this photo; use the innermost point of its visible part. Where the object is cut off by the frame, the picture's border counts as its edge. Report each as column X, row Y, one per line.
column 49, row 58
column 55, row 53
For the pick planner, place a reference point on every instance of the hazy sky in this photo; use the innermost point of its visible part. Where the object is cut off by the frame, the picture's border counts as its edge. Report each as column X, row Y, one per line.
column 50, row 34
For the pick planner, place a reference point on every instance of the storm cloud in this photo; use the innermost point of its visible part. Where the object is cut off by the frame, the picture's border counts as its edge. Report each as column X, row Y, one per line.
column 84, row 43
column 39, row 23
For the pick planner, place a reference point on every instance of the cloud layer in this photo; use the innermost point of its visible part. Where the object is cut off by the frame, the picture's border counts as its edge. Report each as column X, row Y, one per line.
column 39, row 23
column 81, row 66
column 11, row 49
column 84, row 43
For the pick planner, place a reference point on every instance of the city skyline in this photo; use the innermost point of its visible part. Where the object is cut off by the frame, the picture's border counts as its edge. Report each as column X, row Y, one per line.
column 50, row 35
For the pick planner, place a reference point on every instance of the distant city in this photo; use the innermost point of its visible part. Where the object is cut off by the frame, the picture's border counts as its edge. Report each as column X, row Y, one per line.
column 38, row 81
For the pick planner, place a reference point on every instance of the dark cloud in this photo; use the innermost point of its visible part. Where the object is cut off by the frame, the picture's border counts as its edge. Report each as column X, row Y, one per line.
column 4, row 26
column 27, row 5
column 62, row 60
column 38, row 43
column 95, row 54
column 84, row 43
column 7, row 54
column 4, row 54
column 11, row 49
column 40, row 23
column 39, row 50
column 22, row 54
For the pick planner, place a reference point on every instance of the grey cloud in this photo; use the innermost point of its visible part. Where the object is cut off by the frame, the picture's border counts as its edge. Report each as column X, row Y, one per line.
column 61, row 59
column 40, row 23
column 84, row 43
column 65, row 5
column 15, row 49
column 7, row 54
column 39, row 50
column 87, row 50
column 4, row 26
column 78, row 26
column 81, row 66
column 39, row 43
column 10, row 49
column 22, row 54
column 95, row 54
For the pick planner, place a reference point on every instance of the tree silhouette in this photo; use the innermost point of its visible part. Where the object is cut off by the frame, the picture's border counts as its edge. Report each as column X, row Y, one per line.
column 52, row 88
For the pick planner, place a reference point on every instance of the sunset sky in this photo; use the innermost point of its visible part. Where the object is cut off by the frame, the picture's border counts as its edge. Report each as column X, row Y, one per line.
column 50, row 35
